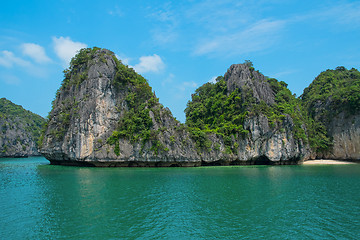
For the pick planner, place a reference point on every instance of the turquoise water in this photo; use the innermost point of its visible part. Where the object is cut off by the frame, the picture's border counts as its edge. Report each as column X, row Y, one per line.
column 40, row 201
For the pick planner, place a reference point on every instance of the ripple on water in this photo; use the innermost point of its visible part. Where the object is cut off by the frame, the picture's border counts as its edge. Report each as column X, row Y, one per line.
column 286, row 202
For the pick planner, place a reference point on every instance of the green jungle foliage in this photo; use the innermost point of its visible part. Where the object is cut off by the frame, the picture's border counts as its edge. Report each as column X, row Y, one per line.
column 331, row 92
column 213, row 109
column 136, row 124
column 12, row 114
column 78, row 70
column 285, row 104
column 340, row 88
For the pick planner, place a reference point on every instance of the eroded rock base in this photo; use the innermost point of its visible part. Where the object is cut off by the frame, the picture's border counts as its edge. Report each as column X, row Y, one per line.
column 259, row 161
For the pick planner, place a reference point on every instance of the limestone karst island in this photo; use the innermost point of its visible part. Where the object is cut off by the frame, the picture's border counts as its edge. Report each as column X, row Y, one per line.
column 105, row 114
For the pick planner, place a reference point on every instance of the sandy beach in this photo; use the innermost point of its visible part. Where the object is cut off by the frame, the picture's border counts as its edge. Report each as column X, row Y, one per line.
column 327, row 162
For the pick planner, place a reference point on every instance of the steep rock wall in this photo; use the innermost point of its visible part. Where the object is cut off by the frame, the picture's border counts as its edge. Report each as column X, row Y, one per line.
column 86, row 115
column 249, row 95
column 333, row 101
column 344, row 130
column 19, row 130
column 16, row 140
column 105, row 114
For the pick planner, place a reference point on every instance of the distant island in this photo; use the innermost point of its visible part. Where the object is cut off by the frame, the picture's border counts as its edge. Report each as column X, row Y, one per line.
column 20, row 130
column 105, row 114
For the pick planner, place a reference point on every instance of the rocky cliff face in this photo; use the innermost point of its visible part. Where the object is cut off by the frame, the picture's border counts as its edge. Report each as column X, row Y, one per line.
column 260, row 128
column 263, row 145
column 333, row 101
column 105, row 114
column 241, row 76
column 345, row 133
column 20, row 130
column 342, row 129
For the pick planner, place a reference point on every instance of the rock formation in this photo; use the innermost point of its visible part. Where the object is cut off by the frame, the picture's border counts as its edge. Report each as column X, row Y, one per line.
column 333, row 101
column 20, row 130
column 268, row 136
column 105, row 114
column 240, row 76
column 345, row 134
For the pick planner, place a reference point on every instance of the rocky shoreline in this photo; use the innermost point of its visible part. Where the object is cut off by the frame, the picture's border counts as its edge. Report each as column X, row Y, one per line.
column 160, row 163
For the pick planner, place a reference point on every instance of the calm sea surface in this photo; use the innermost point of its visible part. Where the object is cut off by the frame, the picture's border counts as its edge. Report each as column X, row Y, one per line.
column 39, row 201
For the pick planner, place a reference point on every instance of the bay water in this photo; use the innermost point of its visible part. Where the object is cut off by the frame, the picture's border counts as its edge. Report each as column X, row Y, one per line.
column 41, row 201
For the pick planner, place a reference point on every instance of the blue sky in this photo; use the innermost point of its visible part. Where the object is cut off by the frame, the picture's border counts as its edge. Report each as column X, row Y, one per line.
column 176, row 45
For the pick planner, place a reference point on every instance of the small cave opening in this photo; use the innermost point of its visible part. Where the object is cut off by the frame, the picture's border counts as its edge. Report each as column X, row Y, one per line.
column 263, row 160
column 175, row 165
column 215, row 163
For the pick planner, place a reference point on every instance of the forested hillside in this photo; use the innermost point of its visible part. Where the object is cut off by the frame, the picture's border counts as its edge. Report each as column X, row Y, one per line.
column 215, row 108
column 20, row 130
column 332, row 101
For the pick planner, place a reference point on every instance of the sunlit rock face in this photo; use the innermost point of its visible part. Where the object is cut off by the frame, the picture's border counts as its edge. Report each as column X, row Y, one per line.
column 94, row 111
column 344, row 130
column 86, row 113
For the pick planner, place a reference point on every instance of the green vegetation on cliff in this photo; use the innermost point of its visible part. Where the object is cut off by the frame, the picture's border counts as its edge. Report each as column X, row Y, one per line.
column 338, row 89
column 285, row 104
column 20, row 130
column 332, row 92
column 139, row 100
column 239, row 105
column 11, row 113
column 136, row 123
column 211, row 109
column 78, row 70
column 214, row 109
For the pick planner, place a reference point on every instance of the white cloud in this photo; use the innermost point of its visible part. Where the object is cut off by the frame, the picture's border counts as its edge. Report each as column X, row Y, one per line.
column 125, row 60
column 225, row 15
column 282, row 74
column 258, row 36
column 347, row 14
column 65, row 48
column 36, row 52
column 165, row 30
column 8, row 59
column 213, row 79
column 228, row 30
column 149, row 64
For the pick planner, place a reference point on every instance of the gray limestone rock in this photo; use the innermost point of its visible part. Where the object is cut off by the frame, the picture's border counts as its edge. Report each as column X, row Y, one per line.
column 16, row 140
column 91, row 104
column 86, row 114
column 19, row 130
column 344, row 130
column 242, row 77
